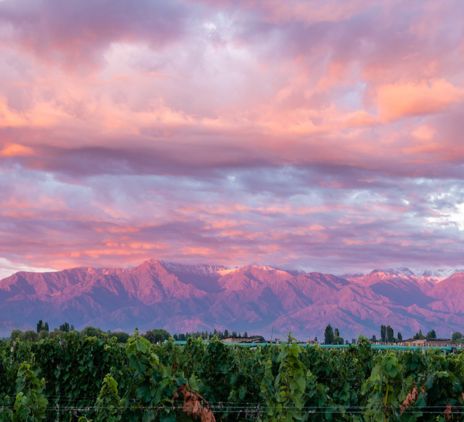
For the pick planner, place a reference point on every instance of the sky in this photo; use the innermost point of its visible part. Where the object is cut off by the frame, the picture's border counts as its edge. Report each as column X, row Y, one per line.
column 318, row 135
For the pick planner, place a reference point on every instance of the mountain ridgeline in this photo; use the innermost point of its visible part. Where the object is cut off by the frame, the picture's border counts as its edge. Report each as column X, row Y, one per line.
column 257, row 299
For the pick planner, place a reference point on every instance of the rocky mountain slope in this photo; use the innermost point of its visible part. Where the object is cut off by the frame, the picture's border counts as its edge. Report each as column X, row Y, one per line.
column 258, row 299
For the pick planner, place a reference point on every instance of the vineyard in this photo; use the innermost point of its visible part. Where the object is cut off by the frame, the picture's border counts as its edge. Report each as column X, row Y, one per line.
column 72, row 377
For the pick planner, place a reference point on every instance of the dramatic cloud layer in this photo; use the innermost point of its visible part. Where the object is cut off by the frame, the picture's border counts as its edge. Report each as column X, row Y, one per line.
column 313, row 134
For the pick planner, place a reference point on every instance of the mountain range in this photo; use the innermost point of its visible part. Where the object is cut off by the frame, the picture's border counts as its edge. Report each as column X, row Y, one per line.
column 257, row 299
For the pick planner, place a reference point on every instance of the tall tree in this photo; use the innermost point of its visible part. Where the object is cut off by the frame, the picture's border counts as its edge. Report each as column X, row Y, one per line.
column 419, row 335
column 390, row 334
column 42, row 326
column 328, row 335
column 66, row 327
column 383, row 333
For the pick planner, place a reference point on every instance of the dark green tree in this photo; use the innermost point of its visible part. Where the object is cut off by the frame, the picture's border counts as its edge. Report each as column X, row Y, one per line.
column 383, row 333
column 400, row 336
column 390, row 334
column 457, row 336
column 431, row 335
column 329, row 335
column 157, row 335
column 419, row 335
column 66, row 327
column 42, row 326
column 92, row 332
column 39, row 326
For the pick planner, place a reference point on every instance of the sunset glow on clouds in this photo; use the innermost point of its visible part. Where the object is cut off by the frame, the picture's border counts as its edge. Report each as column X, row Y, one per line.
column 322, row 135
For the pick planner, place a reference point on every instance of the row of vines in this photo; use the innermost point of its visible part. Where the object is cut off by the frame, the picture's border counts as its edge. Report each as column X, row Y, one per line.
column 78, row 378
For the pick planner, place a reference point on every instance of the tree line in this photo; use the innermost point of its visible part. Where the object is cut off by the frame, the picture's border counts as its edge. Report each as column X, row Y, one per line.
column 331, row 335
column 155, row 335
column 387, row 335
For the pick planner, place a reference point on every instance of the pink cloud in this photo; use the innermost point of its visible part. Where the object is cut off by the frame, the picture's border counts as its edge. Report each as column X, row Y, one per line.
column 73, row 32
column 288, row 133
column 414, row 99
column 15, row 150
